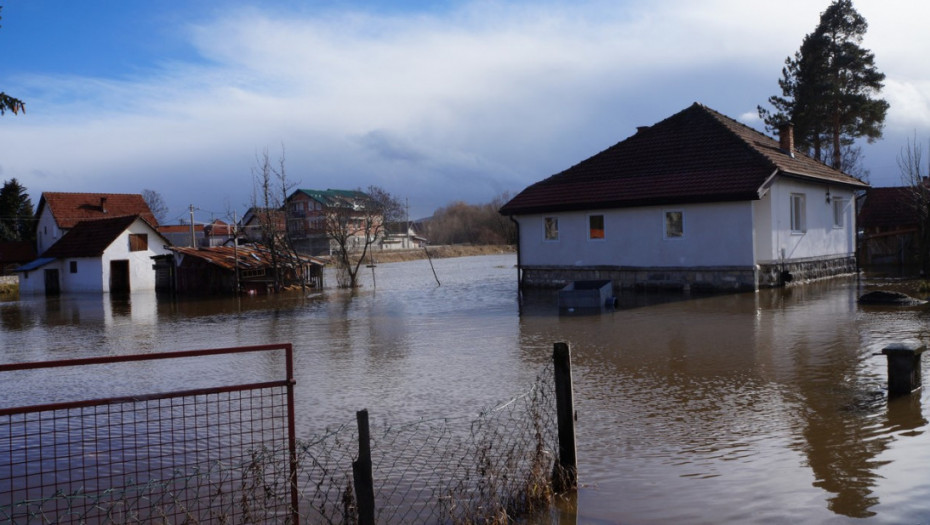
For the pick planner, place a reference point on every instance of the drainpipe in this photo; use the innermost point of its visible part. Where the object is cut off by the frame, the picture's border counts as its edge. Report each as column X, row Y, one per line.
column 519, row 259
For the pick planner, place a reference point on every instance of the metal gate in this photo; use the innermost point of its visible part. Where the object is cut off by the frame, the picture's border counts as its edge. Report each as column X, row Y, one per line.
column 202, row 455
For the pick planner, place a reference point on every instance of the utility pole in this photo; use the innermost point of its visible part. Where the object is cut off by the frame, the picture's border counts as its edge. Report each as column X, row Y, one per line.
column 193, row 241
column 235, row 230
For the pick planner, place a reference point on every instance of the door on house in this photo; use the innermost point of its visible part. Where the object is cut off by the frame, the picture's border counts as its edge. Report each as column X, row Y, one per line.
column 119, row 276
column 52, row 285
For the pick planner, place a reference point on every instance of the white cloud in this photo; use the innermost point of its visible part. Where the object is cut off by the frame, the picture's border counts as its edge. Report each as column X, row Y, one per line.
column 458, row 105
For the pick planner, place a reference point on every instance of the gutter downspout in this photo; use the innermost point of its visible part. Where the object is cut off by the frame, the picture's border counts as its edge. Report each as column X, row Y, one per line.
column 519, row 259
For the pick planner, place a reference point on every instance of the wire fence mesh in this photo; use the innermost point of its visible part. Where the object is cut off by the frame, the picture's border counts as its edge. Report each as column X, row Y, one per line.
column 224, row 457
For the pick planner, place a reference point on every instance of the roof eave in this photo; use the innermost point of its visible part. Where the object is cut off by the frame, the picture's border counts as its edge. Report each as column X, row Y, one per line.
column 638, row 203
column 854, row 183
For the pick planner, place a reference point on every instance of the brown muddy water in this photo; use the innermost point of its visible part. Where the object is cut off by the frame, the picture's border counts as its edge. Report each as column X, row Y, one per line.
column 761, row 407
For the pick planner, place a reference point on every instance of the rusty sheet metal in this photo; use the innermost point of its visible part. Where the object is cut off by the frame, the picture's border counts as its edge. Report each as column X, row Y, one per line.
column 249, row 257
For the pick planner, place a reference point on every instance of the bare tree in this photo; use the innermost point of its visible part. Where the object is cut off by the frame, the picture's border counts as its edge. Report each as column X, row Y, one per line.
column 914, row 174
column 461, row 223
column 269, row 196
column 156, row 204
column 353, row 222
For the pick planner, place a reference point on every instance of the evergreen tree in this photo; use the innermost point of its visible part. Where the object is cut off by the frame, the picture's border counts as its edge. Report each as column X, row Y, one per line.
column 17, row 220
column 828, row 89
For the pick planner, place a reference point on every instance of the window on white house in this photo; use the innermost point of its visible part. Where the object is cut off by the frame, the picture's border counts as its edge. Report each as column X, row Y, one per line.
column 674, row 224
column 595, row 226
column 73, row 266
column 138, row 242
column 839, row 213
column 551, row 227
column 798, row 215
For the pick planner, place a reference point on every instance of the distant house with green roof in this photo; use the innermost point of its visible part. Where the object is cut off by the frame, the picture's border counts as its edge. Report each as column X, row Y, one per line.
column 312, row 215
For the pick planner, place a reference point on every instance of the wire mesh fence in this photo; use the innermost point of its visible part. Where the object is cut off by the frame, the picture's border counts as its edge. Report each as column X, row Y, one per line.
column 192, row 456
column 487, row 468
column 226, row 457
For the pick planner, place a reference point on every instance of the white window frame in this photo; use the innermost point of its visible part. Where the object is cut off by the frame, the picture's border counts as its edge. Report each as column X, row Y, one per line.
column 798, row 213
column 603, row 227
column 547, row 221
column 839, row 213
column 666, row 234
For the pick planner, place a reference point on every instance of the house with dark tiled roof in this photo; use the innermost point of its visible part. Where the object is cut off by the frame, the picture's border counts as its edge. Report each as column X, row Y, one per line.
column 59, row 212
column 697, row 200
column 97, row 255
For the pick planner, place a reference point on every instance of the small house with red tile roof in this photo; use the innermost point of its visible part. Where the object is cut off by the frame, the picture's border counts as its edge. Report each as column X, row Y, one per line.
column 697, row 200
column 59, row 212
column 889, row 225
column 102, row 255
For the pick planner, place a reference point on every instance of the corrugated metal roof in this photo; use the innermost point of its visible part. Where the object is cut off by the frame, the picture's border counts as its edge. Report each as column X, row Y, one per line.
column 38, row 263
column 249, row 257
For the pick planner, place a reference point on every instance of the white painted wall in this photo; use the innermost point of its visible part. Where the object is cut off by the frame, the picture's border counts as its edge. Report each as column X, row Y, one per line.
column 93, row 273
column 141, row 273
column 48, row 232
column 718, row 234
column 821, row 238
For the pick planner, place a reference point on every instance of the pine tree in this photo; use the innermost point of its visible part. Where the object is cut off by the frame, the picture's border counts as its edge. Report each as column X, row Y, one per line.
column 829, row 87
column 17, row 221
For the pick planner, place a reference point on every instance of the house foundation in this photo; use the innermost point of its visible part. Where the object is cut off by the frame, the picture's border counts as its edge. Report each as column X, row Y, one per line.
column 710, row 279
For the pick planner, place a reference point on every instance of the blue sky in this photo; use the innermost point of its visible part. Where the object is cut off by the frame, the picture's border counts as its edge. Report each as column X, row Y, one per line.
column 434, row 101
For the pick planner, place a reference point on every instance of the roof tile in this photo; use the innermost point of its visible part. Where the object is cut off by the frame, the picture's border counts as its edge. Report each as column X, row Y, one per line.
column 696, row 155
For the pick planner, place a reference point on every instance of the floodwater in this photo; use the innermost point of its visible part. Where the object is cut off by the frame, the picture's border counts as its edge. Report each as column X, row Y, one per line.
column 761, row 407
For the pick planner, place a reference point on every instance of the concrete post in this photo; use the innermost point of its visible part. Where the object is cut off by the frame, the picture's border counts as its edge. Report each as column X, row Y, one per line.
column 903, row 368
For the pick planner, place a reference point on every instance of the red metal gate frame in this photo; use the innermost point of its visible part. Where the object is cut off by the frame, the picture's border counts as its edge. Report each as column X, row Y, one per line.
column 288, row 383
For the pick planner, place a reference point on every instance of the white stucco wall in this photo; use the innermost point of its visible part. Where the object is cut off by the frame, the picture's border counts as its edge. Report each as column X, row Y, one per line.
column 141, row 273
column 821, row 238
column 87, row 278
column 93, row 273
column 717, row 234
column 47, row 233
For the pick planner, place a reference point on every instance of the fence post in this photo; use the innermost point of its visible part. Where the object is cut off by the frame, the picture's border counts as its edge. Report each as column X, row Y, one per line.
column 361, row 472
column 903, row 368
column 565, row 471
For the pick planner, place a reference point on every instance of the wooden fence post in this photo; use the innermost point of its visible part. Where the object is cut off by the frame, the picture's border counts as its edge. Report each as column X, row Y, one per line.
column 565, row 471
column 361, row 472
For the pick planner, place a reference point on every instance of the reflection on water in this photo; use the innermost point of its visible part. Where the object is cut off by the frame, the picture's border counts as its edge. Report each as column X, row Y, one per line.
column 742, row 408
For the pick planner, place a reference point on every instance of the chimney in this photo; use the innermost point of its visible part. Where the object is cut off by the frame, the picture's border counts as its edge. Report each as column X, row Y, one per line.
column 103, row 204
column 786, row 138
